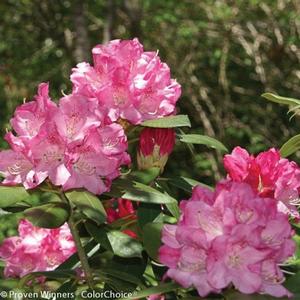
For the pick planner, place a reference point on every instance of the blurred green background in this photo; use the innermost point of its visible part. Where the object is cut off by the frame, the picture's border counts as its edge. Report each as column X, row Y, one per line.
column 224, row 53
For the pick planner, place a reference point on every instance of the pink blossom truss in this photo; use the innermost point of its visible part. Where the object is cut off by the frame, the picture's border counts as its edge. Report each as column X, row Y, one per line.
column 269, row 174
column 36, row 249
column 127, row 82
column 230, row 236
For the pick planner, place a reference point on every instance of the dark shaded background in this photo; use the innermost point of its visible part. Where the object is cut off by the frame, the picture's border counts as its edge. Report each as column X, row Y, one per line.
column 224, row 53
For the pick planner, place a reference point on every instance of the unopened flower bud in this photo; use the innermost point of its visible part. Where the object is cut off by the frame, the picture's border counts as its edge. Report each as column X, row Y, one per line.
column 154, row 148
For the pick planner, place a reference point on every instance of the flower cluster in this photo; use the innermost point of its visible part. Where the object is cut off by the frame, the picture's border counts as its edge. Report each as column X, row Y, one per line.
column 228, row 236
column 70, row 144
column 129, row 83
column 36, row 249
column 268, row 174
column 238, row 234
column 79, row 143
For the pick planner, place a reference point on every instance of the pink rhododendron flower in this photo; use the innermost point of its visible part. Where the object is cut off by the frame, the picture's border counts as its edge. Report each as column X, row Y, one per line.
column 36, row 249
column 17, row 169
column 230, row 236
column 75, row 118
column 30, row 116
column 127, row 82
column 268, row 174
column 155, row 146
column 92, row 165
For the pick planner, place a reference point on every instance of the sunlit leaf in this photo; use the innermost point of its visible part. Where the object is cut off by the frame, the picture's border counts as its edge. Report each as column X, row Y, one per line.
column 280, row 99
column 202, row 140
column 291, row 146
column 51, row 215
column 168, row 122
column 89, row 204
column 148, row 194
column 10, row 195
column 124, row 245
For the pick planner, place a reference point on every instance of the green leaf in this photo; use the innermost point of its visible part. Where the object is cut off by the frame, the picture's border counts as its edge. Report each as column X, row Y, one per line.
column 9, row 284
column 120, row 274
column 88, row 204
column 134, row 266
column 61, row 274
column 174, row 209
column 145, row 193
column 152, row 238
column 99, row 234
column 73, row 260
column 169, row 122
column 159, row 289
column 51, row 215
column 234, row 295
column 67, row 287
column 10, row 195
column 147, row 213
column 186, row 184
column 145, row 176
column 281, row 100
column 291, row 146
column 202, row 140
column 173, row 206
column 292, row 284
column 124, row 245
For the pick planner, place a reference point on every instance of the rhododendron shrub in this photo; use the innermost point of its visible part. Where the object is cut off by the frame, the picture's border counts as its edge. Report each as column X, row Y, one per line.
column 85, row 175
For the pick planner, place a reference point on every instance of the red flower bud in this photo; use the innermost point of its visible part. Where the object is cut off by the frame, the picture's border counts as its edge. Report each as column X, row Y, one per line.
column 121, row 208
column 154, row 148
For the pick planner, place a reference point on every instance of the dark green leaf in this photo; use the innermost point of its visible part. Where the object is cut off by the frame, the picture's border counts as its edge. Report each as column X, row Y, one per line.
column 152, row 238
column 159, row 289
column 168, row 122
column 147, row 212
column 51, row 215
column 120, row 274
column 202, row 140
column 88, row 204
column 235, row 295
column 292, row 284
column 57, row 274
column 134, row 266
column 291, row 146
column 99, row 234
column 186, row 184
column 73, row 261
column 67, row 287
column 124, row 245
column 10, row 195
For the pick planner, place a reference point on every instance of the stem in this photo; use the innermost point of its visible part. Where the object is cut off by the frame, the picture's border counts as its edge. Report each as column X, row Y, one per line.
column 80, row 251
